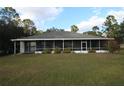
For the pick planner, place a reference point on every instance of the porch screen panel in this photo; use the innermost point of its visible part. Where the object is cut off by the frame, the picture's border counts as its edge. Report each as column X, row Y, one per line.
column 27, row 47
column 39, row 45
column 88, row 44
column 58, row 44
column 77, row 45
column 95, row 44
column 32, row 46
column 67, row 44
column 49, row 44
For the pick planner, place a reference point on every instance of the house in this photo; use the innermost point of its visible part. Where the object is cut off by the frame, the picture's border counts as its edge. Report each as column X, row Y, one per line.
column 77, row 42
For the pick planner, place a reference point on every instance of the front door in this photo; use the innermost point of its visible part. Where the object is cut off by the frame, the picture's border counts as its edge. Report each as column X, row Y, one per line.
column 84, row 46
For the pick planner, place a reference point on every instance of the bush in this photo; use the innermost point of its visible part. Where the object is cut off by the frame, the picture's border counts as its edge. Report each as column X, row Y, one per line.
column 47, row 51
column 92, row 51
column 67, row 50
column 113, row 46
column 57, row 50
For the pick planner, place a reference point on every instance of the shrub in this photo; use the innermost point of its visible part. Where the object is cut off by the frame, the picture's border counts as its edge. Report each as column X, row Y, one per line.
column 67, row 50
column 113, row 46
column 57, row 50
column 47, row 51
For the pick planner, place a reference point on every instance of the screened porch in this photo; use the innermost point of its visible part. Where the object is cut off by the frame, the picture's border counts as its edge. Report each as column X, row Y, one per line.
column 74, row 45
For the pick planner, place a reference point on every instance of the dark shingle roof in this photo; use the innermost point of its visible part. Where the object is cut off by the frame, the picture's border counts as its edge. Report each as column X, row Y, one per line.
column 60, row 34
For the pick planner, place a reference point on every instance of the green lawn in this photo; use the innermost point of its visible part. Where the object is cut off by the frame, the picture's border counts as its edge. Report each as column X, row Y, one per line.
column 62, row 69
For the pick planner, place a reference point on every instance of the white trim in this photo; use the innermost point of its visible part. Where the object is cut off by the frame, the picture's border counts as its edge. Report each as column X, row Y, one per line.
column 102, row 51
column 82, row 46
column 54, row 44
column 99, row 45
column 72, row 45
column 81, row 51
column 63, row 45
column 97, row 51
column 22, row 47
column 62, row 39
column 44, row 44
column 86, row 45
column 90, row 45
column 38, row 52
column 15, row 47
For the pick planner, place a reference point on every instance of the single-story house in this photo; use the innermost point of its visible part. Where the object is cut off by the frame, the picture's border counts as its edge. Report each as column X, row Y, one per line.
column 77, row 42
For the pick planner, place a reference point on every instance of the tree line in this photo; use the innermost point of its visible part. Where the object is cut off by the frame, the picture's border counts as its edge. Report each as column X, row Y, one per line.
column 11, row 27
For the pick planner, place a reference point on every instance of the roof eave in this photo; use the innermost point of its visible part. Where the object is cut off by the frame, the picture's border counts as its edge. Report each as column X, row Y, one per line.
column 62, row 39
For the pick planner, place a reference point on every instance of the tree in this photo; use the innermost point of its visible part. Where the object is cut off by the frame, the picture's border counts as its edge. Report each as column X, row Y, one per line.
column 29, row 27
column 54, row 29
column 90, row 33
column 9, row 29
column 93, row 33
column 8, row 15
column 96, row 31
column 74, row 28
column 113, row 46
column 95, row 28
column 112, row 27
column 122, row 31
column 38, row 32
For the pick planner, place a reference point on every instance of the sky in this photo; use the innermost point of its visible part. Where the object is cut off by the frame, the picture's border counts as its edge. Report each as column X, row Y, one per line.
column 63, row 17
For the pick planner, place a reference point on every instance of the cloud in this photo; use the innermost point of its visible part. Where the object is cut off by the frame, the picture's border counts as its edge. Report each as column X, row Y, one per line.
column 88, row 24
column 119, row 15
column 39, row 14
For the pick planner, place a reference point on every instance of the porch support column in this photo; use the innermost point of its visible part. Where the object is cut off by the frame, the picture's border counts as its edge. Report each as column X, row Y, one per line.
column 99, row 44
column 86, row 45
column 63, row 45
column 81, row 45
column 22, row 47
column 72, row 45
column 44, row 44
column 14, row 47
column 90, row 45
column 53, row 44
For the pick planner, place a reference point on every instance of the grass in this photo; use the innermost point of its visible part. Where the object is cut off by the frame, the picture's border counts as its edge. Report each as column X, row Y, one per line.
column 62, row 69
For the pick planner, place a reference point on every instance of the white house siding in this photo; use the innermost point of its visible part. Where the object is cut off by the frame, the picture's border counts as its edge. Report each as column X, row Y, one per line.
column 22, row 47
